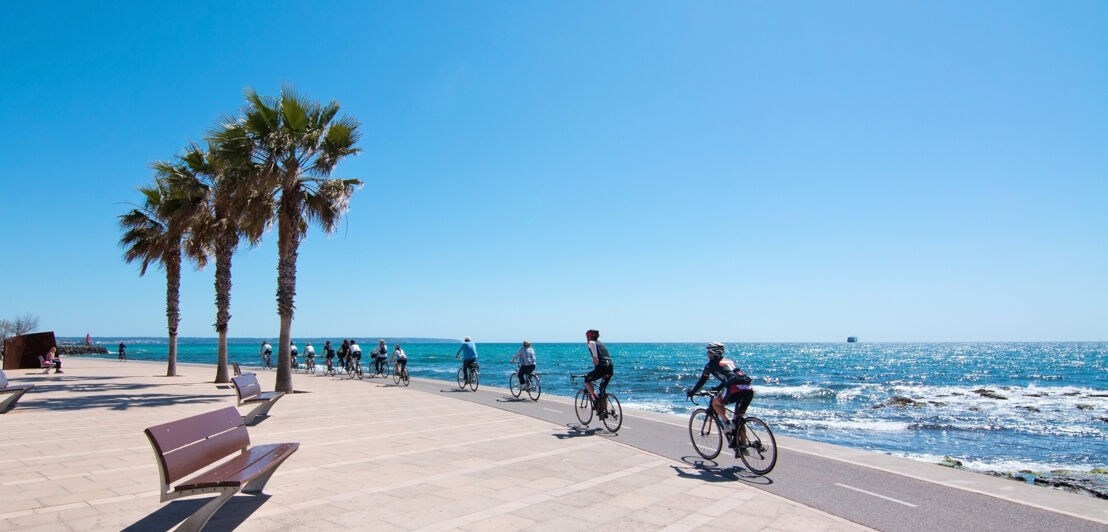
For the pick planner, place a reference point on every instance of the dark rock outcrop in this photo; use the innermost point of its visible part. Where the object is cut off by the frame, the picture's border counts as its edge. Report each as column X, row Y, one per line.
column 80, row 349
column 983, row 392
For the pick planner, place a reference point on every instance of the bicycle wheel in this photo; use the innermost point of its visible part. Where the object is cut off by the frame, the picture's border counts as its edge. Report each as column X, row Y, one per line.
column 359, row 371
column 758, row 448
column 534, row 387
column 583, row 405
column 407, row 379
column 396, row 377
column 513, row 385
column 462, row 378
column 705, row 433
column 474, row 379
column 385, row 370
column 613, row 414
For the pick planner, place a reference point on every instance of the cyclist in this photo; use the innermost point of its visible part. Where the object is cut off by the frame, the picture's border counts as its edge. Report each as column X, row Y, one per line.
column 267, row 354
column 602, row 368
column 526, row 356
column 355, row 354
column 344, row 351
column 399, row 357
column 309, row 352
column 380, row 356
column 294, row 352
column 734, row 386
column 468, row 352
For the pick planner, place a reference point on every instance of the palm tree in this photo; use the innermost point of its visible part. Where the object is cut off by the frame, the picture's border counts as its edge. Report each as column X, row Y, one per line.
column 208, row 185
column 153, row 234
column 293, row 145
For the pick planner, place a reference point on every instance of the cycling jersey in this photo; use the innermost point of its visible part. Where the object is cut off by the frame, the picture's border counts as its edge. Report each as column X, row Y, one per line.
column 726, row 371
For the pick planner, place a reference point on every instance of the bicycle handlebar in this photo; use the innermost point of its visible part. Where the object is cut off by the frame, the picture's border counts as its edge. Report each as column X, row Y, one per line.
column 692, row 398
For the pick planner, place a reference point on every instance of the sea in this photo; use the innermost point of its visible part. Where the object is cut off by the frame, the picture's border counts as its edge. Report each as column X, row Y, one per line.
column 1001, row 407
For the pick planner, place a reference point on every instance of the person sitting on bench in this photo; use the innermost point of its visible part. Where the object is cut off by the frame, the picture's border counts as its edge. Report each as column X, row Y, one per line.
column 53, row 359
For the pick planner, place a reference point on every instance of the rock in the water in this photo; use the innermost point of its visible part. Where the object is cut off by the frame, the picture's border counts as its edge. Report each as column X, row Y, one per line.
column 950, row 462
column 989, row 393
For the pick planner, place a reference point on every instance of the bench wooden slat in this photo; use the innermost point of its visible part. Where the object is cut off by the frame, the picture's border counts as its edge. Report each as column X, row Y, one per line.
column 241, row 469
column 190, row 444
column 184, row 431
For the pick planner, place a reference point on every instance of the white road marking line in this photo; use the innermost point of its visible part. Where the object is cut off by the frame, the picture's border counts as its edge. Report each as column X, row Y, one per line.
column 552, row 410
column 878, row 495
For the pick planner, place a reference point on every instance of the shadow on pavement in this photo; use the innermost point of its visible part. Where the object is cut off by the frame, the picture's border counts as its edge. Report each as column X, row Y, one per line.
column 710, row 471
column 229, row 517
column 577, row 431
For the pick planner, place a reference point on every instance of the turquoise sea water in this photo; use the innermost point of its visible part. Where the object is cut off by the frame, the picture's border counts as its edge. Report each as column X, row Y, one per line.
column 1048, row 409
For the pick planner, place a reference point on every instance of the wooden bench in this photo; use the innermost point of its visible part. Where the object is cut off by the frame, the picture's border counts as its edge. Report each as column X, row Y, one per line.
column 42, row 363
column 250, row 392
column 10, row 395
column 188, row 445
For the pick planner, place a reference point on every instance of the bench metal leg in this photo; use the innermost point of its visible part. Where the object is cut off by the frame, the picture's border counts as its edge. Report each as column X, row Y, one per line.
column 8, row 403
column 255, row 487
column 261, row 410
column 196, row 521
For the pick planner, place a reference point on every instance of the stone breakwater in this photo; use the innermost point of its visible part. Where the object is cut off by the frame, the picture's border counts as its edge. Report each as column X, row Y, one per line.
column 78, row 349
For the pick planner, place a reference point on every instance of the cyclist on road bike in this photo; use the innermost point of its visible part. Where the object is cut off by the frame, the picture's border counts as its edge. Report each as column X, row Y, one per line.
column 602, row 367
column 399, row 357
column 468, row 352
column 309, row 352
column 734, row 386
column 267, row 354
column 355, row 354
column 526, row 356
column 344, row 351
column 294, row 353
column 380, row 356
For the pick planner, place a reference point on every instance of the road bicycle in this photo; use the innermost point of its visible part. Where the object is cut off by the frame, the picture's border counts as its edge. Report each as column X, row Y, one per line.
column 309, row 365
column 400, row 374
column 471, row 377
column 267, row 360
column 533, row 387
column 585, row 404
column 755, row 445
column 330, row 369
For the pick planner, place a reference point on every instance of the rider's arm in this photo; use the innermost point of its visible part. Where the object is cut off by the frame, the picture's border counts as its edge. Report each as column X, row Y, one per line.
column 592, row 351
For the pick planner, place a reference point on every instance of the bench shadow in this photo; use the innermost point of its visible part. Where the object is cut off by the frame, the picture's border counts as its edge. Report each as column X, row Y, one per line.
column 521, row 399
column 229, row 517
column 711, row 471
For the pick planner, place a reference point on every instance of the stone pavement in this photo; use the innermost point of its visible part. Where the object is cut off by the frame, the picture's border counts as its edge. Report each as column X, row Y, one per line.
column 372, row 456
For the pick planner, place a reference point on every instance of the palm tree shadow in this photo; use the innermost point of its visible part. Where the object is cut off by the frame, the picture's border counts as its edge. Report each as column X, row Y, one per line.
column 504, row 399
column 233, row 514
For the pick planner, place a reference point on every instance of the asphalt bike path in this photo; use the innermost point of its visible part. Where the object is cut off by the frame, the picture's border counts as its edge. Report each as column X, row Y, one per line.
column 871, row 497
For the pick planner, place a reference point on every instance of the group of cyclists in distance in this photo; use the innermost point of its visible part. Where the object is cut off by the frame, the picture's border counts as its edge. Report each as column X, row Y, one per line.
column 734, row 386
column 349, row 355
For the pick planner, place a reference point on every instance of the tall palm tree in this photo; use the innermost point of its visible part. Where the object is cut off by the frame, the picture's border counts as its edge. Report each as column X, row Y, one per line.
column 208, row 185
column 153, row 234
column 293, row 144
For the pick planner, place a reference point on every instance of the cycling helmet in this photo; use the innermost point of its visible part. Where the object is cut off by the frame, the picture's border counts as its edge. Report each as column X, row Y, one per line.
column 592, row 334
column 716, row 349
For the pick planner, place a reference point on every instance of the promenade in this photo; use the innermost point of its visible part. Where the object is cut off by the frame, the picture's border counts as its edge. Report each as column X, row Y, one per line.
column 372, row 456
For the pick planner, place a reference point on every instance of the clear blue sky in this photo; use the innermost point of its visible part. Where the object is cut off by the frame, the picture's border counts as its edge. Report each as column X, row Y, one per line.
column 742, row 171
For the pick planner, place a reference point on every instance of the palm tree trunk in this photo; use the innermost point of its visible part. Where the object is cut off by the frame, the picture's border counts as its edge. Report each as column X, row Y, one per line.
column 173, row 304
column 287, row 245
column 223, row 254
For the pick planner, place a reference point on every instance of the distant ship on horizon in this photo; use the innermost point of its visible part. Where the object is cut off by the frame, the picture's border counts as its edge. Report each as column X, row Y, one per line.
column 851, row 339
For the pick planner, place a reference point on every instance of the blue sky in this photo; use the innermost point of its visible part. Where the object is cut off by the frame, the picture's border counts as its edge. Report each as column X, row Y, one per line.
column 771, row 171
